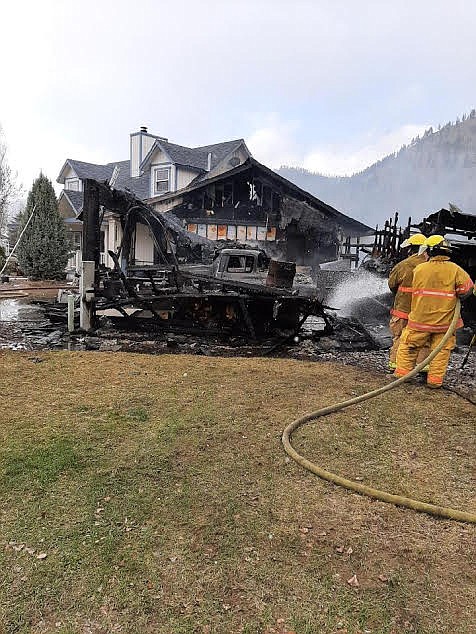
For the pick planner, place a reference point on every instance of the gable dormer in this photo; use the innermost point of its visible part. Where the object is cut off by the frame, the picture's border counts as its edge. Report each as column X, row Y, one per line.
column 69, row 178
column 228, row 160
column 141, row 144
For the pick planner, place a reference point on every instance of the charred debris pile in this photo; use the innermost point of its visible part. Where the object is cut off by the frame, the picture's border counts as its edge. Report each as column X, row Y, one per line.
column 241, row 300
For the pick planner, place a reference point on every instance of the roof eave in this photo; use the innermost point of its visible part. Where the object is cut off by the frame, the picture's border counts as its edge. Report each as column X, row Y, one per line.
column 156, row 145
column 60, row 178
column 64, row 193
column 358, row 226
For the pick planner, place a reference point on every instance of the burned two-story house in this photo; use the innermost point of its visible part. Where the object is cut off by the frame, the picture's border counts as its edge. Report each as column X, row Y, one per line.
column 218, row 191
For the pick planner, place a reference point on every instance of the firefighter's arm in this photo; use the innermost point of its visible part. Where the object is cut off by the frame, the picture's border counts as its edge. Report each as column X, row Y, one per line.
column 464, row 284
column 394, row 279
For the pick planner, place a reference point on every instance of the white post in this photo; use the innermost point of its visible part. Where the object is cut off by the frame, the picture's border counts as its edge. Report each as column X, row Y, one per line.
column 77, row 262
column 70, row 312
column 86, row 291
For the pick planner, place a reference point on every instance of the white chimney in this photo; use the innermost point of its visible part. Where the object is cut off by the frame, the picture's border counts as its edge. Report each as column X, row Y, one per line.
column 141, row 142
column 209, row 161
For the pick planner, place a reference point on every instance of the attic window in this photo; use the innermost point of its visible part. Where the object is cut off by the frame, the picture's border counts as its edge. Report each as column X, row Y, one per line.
column 161, row 180
column 72, row 184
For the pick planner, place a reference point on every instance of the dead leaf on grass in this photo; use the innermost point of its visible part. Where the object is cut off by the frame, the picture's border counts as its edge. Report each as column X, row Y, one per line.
column 383, row 578
column 350, row 550
column 353, row 581
column 340, row 549
column 41, row 556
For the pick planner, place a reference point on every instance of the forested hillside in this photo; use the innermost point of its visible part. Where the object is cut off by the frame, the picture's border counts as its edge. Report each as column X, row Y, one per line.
column 422, row 177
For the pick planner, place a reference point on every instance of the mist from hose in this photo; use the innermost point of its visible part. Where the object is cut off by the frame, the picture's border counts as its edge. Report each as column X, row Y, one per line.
column 356, row 287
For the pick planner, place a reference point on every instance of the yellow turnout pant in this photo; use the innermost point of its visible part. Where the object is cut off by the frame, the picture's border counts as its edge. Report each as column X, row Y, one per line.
column 412, row 341
column 396, row 325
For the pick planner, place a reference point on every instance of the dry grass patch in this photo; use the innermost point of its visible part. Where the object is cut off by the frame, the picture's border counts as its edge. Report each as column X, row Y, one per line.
column 158, row 490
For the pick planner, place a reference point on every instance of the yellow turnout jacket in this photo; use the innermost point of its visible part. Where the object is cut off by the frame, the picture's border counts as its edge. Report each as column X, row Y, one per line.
column 436, row 285
column 400, row 283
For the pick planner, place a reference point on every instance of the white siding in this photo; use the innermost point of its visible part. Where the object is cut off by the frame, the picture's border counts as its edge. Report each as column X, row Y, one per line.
column 69, row 173
column 144, row 245
column 225, row 166
column 184, row 177
column 159, row 157
column 147, row 143
column 135, row 154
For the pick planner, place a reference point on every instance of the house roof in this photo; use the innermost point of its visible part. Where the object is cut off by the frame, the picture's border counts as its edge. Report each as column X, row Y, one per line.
column 74, row 198
column 302, row 194
column 88, row 170
column 197, row 157
column 138, row 185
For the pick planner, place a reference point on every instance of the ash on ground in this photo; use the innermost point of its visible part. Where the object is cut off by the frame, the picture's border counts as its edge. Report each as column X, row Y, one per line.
column 23, row 326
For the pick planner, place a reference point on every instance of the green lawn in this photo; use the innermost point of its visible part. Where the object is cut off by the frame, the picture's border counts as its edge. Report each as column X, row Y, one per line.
column 151, row 494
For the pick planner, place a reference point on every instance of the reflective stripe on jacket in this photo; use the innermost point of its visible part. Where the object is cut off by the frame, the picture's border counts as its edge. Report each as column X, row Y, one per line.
column 436, row 285
column 400, row 283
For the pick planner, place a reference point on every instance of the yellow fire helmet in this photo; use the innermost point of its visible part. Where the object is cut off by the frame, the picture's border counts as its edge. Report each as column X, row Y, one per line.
column 417, row 239
column 436, row 241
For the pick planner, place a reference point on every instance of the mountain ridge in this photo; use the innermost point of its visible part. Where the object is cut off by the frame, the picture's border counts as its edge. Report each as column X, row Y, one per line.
column 432, row 170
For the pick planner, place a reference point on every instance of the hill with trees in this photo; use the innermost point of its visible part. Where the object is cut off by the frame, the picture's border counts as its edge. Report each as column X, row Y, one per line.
column 422, row 177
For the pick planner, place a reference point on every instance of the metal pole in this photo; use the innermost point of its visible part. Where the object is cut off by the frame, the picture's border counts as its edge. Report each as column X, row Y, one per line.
column 18, row 241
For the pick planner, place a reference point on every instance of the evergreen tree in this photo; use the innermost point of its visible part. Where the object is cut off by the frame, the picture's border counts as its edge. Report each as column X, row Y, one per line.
column 44, row 247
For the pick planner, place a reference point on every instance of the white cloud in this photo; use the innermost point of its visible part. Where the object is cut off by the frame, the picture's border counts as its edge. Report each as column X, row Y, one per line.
column 275, row 144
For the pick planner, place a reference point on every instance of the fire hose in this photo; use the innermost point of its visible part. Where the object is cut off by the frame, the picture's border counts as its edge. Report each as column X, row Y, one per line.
column 357, row 487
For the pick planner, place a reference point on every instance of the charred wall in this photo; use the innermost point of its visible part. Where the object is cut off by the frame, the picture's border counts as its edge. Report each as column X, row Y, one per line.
column 250, row 208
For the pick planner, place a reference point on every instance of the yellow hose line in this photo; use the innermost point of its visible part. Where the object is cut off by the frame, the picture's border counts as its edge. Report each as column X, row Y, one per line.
column 416, row 505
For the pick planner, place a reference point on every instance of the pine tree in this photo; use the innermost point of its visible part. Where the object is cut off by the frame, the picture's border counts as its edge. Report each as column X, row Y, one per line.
column 44, row 247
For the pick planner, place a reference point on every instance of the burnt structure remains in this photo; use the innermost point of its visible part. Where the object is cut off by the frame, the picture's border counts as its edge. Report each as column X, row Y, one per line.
column 252, row 204
column 169, row 295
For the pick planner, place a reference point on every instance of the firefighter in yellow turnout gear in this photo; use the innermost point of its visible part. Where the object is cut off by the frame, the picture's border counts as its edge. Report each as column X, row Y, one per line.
column 436, row 285
column 400, row 283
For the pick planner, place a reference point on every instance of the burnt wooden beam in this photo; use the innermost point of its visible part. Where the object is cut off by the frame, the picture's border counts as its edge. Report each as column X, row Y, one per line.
column 91, row 227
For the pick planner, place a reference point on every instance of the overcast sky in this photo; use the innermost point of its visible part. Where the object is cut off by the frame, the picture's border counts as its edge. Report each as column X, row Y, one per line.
column 327, row 85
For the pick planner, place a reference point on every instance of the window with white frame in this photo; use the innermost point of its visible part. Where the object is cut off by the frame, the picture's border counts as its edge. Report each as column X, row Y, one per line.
column 72, row 184
column 161, row 180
